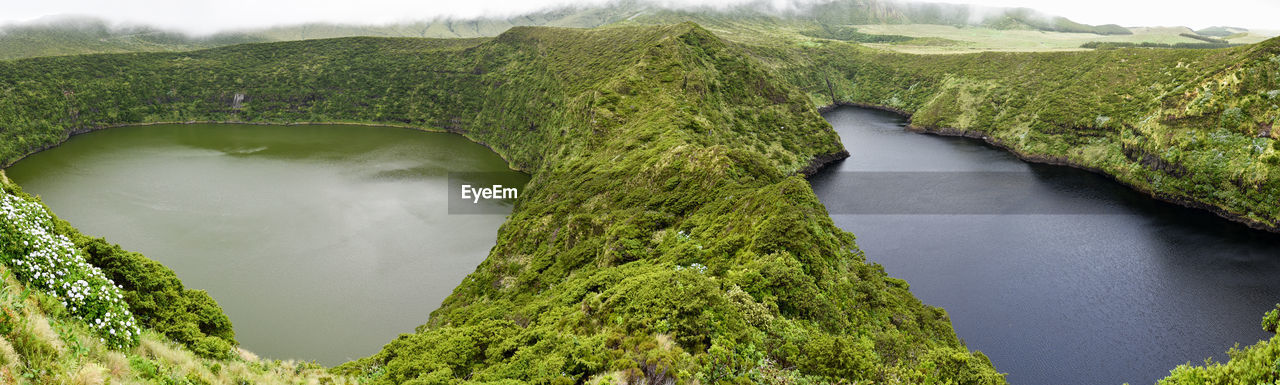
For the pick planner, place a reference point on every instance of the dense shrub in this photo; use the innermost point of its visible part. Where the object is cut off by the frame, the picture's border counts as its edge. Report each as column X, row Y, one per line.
column 52, row 263
column 851, row 34
column 110, row 288
column 160, row 301
column 1257, row 364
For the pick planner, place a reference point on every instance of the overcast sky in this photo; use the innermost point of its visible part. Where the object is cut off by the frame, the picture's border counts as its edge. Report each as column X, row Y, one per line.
column 207, row 16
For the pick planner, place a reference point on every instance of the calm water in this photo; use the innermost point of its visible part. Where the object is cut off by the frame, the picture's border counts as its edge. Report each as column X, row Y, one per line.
column 320, row 242
column 1059, row 275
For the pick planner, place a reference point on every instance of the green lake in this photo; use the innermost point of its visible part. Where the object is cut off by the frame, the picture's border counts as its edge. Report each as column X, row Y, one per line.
column 321, row 242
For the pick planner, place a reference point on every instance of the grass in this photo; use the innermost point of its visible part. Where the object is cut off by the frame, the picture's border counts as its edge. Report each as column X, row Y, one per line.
column 978, row 39
column 39, row 344
column 1188, row 126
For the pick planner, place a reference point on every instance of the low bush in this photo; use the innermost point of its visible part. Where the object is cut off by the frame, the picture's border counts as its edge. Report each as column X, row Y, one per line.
column 52, row 263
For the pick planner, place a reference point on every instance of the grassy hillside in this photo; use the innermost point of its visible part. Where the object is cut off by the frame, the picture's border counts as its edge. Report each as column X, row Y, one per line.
column 1195, row 127
column 1188, row 126
column 79, row 36
column 985, row 38
column 84, row 36
column 118, row 293
column 666, row 234
column 67, row 317
column 43, row 340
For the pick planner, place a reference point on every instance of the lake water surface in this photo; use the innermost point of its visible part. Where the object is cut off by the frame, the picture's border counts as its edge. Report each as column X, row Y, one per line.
column 1061, row 276
column 320, row 242
column 324, row 242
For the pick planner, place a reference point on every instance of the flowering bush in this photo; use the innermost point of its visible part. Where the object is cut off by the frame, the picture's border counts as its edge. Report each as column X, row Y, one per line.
column 54, row 264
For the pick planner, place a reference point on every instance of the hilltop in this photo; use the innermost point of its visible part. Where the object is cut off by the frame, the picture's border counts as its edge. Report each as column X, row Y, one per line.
column 667, row 233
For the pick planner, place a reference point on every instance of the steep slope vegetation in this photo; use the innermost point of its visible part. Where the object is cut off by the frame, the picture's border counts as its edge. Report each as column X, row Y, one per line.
column 1257, row 364
column 45, row 339
column 676, row 246
column 1188, row 126
column 667, row 233
column 116, row 292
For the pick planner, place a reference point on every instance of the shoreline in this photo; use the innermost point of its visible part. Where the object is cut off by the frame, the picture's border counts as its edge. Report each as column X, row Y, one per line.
column 1062, row 161
column 819, row 162
column 85, row 130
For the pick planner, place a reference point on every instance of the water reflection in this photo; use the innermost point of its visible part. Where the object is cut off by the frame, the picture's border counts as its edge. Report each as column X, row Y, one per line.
column 1087, row 280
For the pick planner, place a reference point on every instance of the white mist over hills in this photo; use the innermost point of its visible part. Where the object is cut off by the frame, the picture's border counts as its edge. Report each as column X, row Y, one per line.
column 203, row 17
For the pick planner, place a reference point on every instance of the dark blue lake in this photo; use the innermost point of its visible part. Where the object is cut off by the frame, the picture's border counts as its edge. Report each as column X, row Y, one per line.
column 1061, row 276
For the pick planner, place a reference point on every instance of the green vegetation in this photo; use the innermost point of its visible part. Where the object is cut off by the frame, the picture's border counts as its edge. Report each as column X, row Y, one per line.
column 1188, row 126
column 1115, row 45
column 1206, row 39
column 55, row 265
column 83, row 36
column 1023, row 18
column 1222, row 32
column 41, row 342
column 852, row 34
column 986, row 38
column 667, row 233
column 46, row 252
column 958, row 15
column 77, row 36
column 189, row 317
column 1257, row 364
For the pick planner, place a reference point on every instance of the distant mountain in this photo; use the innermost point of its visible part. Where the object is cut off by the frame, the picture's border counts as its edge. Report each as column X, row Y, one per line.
column 86, row 35
column 68, row 36
column 1221, row 31
column 890, row 12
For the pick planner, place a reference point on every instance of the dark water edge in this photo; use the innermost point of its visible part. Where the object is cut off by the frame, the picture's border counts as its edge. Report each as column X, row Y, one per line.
column 1065, row 274
column 320, row 242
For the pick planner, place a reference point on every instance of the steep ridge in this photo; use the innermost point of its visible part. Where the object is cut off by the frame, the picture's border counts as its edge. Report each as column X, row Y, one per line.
column 667, row 246
column 666, row 235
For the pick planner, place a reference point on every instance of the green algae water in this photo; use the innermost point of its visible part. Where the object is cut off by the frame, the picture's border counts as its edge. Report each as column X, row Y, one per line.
column 320, row 242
